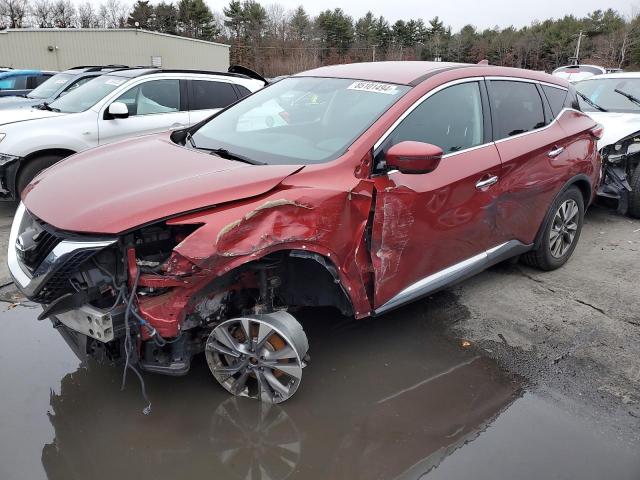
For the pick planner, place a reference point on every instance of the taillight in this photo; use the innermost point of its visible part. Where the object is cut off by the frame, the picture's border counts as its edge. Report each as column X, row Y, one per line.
column 597, row 131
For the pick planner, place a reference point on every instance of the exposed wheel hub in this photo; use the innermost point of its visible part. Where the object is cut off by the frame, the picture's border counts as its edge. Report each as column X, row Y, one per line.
column 258, row 356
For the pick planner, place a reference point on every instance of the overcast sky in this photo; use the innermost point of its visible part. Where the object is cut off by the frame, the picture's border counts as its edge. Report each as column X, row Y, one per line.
column 457, row 13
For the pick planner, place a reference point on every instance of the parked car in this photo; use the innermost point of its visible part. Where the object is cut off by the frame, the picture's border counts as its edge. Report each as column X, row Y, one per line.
column 575, row 73
column 613, row 100
column 124, row 103
column 411, row 177
column 56, row 86
column 21, row 82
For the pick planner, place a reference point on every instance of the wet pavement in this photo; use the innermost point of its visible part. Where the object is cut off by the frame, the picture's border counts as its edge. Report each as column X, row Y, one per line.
column 394, row 397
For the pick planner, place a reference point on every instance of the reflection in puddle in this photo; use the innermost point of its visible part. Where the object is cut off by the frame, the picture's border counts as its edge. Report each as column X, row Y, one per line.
column 382, row 398
column 255, row 440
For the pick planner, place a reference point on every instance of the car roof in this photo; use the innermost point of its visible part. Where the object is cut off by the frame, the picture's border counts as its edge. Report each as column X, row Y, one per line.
column 134, row 72
column 414, row 72
column 93, row 69
column 614, row 75
column 19, row 73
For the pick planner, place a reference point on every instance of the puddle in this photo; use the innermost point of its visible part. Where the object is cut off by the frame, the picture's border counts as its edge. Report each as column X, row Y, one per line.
column 386, row 398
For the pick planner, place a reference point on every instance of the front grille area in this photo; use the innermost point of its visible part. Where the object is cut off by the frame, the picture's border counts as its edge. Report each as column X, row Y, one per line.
column 46, row 241
column 59, row 282
column 44, row 260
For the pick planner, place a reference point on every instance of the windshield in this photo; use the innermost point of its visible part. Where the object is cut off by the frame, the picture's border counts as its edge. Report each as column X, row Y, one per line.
column 299, row 120
column 51, row 86
column 602, row 92
column 87, row 95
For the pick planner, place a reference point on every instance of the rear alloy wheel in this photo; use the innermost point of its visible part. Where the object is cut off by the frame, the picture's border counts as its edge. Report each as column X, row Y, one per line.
column 561, row 232
column 258, row 356
column 563, row 228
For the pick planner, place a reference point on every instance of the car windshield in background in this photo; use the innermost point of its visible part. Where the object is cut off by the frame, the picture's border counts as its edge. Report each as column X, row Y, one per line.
column 612, row 94
column 299, row 120
column 87, row 95
column 51, row 86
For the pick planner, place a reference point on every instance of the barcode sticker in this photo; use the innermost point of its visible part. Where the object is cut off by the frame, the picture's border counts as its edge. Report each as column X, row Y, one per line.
column 376, row 87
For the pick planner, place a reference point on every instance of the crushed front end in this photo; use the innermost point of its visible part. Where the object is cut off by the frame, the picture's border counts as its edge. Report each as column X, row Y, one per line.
column 620, row 162
column 132, row 299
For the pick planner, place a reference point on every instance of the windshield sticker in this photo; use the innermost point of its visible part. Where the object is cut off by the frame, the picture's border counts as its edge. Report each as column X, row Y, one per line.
column 113, row 81
column 374, row 87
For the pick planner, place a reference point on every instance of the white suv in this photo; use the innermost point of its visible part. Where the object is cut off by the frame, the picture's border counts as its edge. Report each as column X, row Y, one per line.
column 123, row 103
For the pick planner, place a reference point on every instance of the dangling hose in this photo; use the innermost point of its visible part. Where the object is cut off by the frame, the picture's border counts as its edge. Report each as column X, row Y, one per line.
column 128, row 346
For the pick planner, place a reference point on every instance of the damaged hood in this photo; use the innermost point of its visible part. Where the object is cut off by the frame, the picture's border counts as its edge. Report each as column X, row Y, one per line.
column 616, row 126
column 118, row 187
column 24, row 114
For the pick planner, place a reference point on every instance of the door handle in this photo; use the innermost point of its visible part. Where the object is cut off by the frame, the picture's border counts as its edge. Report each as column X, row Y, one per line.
column 555, row 152
column 486, row 182
column 177, row 126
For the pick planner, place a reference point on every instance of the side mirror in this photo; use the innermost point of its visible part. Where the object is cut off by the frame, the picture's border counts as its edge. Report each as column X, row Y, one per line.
column 414, row 157
column 118, row 110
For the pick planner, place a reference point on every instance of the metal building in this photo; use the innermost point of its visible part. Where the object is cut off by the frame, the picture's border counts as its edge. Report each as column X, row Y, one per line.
column 62, row 48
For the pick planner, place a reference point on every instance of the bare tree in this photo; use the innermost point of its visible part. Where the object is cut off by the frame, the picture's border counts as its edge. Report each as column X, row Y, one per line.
column 630, row 35
column 64, row 14
column 13, row 12
column 113, row 14
column 42, row 13
column 87, row 17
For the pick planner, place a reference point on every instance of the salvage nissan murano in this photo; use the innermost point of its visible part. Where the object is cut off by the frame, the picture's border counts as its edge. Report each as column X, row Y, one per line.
column 362, row 187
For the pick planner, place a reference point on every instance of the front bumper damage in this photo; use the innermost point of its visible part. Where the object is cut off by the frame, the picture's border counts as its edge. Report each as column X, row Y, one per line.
column 619, row 161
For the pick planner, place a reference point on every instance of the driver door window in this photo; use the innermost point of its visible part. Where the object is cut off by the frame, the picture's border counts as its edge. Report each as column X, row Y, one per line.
column 154, row 106
column 452, row 119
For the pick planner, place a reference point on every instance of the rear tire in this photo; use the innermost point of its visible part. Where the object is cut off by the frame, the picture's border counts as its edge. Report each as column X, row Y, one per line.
column 634, row 196
column 32, row 168
column 561, row 232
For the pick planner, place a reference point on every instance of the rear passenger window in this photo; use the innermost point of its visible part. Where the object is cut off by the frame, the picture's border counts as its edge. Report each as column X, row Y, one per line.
column 516, row 108
column 556, row 98
column 451, row 119
column 207, row 95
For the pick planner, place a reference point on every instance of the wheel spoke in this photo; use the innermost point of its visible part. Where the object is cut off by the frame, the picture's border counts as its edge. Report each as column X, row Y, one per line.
column 291, row 369
column 224, row 337
column 282, row 354
column 217, row 346
column 241, row 381
column 274, row 383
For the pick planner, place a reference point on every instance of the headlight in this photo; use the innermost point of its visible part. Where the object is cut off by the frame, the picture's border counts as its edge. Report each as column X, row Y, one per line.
column 4, row 158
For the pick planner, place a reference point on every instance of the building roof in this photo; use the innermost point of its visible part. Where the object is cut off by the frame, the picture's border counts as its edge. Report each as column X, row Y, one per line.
column 109, row 30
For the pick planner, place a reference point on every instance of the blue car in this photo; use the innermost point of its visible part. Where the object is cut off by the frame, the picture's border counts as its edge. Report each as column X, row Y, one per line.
column 54, row 87
column 21, row 82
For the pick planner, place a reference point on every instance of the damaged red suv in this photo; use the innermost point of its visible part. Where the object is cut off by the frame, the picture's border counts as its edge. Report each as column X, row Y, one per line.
column 361, row 187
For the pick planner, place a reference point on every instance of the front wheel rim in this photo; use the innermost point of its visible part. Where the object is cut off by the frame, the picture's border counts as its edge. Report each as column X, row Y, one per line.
column 564, row 228
column 258, row 357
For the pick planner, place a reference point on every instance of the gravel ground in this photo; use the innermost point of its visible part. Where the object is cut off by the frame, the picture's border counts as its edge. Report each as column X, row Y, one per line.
column 573, row 332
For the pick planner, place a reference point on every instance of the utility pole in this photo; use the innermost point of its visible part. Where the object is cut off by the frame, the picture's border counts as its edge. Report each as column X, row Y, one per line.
column 575, row 60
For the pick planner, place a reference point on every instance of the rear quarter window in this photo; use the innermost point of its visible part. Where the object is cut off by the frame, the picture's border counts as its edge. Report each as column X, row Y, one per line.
column 556, row 97
column 516, row 108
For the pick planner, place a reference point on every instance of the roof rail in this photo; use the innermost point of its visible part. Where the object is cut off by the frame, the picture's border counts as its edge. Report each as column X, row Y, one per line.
column 96, row 68
column 209, row 72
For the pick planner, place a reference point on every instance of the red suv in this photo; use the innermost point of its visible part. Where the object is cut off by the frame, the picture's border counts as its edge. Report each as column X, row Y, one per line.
column 361, row 187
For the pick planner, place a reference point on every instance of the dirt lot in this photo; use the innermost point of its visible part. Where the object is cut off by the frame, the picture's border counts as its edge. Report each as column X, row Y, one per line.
column 549, row 387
